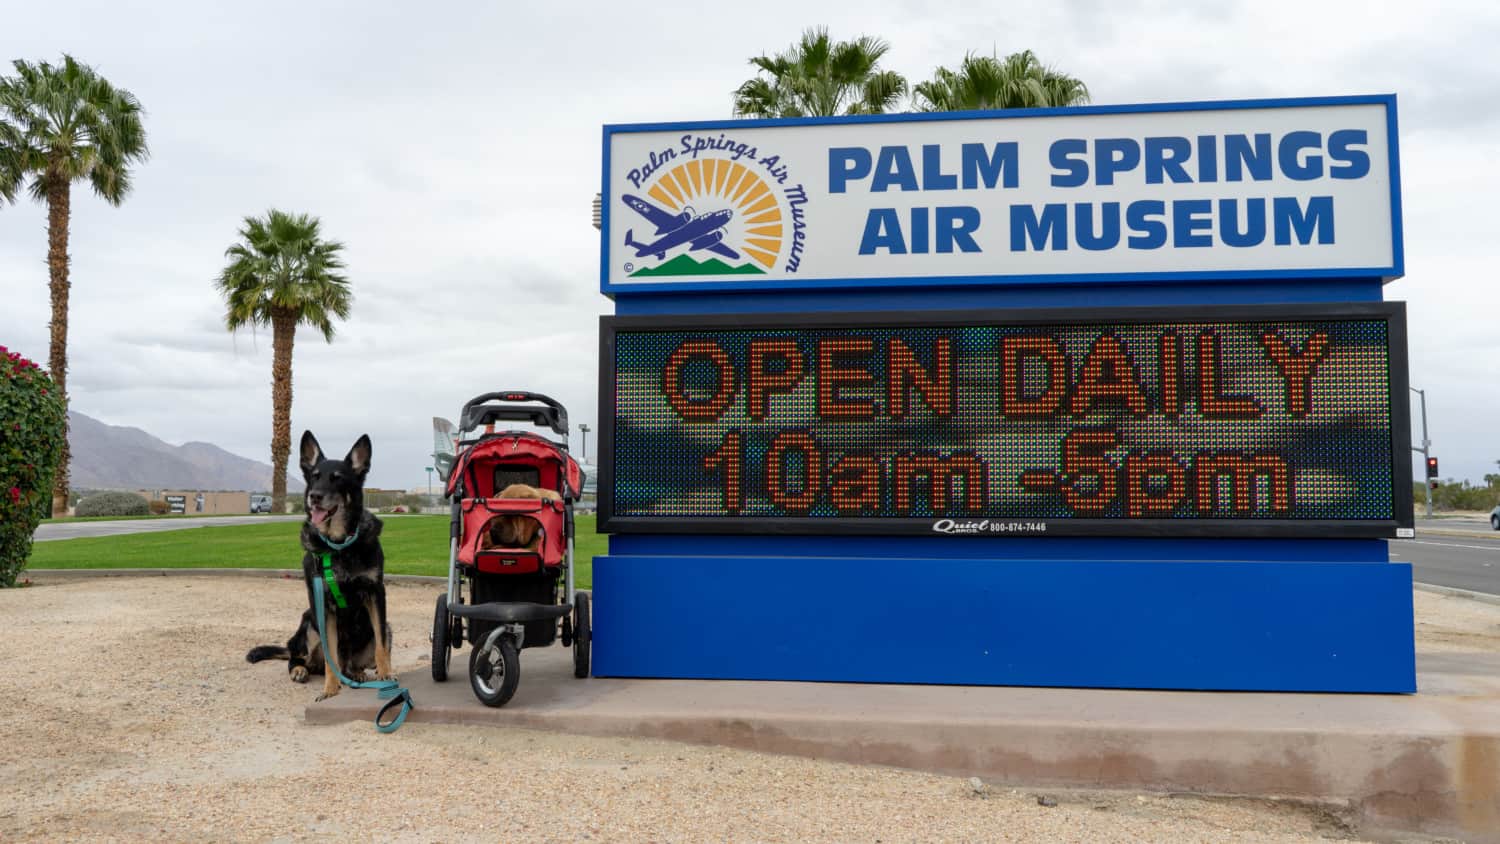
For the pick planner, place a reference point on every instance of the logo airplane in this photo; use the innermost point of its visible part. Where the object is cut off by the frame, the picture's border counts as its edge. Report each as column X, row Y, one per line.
column 698, row 231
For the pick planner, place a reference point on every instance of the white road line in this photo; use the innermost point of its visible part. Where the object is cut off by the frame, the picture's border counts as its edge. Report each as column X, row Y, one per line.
column 1450, row 544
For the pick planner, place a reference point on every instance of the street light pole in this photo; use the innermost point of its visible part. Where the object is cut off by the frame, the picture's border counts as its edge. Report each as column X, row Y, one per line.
column 585, row 429
column 1426, row 446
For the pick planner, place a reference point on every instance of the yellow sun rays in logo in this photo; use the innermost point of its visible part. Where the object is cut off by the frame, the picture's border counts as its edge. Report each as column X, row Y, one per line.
column 753, row 201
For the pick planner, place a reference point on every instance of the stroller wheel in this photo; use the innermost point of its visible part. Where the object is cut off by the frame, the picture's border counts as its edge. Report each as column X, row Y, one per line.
column 440, row 648
column 456, row 629
column 583, row 634
column 495, row 672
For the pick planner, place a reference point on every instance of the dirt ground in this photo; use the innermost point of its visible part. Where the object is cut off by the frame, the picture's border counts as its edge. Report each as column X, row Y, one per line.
column 132, row 715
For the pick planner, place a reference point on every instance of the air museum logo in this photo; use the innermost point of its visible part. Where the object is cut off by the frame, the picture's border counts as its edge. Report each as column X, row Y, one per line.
column 712, row 206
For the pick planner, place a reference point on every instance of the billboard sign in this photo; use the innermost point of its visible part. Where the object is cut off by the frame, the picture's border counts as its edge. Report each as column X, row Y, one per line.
column 1196, row 191
column 1204, row 421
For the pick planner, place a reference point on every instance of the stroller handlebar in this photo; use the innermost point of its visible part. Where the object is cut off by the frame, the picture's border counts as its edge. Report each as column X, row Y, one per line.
column 479, row 410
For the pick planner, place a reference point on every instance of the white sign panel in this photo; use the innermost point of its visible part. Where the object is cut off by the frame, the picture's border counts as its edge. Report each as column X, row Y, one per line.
column 1199, row 191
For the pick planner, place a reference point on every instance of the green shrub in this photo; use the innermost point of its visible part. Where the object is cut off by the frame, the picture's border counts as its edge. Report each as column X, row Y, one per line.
column 113, row 504
column 32, row 418
column 1457, row 495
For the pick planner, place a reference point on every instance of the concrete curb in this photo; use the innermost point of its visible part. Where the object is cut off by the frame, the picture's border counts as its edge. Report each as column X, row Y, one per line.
column 288, row 574
column 1426, row 763
column 1453, row 592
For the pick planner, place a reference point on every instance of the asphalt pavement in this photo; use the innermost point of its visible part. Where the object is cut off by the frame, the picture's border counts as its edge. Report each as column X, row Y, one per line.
column 1459, row 524
column 1461, row 562
column 76, row 530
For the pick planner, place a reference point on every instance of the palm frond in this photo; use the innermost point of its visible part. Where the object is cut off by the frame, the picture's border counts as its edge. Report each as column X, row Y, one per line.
column 820, row 76
column 67, row 122
column 1018, row 80
column 283, row 266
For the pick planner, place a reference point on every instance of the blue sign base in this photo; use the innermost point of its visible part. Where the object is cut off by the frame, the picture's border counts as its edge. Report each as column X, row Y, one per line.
column 1095, row 623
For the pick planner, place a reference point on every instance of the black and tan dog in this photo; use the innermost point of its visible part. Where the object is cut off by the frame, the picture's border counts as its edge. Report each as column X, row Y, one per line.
column 339, row 527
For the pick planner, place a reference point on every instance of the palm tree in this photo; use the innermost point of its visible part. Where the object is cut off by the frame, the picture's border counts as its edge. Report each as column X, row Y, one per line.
column 819, row 77
column 283, row 274
column 60, row 124
column 987, row 82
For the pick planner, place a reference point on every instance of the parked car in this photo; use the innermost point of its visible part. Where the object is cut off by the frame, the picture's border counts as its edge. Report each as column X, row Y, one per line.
column 260, row 503
column 1495, row 518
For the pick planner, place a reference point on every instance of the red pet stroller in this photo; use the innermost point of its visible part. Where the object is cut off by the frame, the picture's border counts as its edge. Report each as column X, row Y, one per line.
column 516, row 594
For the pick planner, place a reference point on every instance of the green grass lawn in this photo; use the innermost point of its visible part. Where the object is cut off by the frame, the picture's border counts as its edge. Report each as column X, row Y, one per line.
column 413, row 545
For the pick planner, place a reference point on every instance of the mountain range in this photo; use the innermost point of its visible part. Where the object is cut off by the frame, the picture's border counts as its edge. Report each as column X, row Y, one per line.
column 686, row 264
column 114, row 457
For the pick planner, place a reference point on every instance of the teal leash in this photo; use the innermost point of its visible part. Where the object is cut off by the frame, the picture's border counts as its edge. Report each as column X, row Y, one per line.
column 390, row 691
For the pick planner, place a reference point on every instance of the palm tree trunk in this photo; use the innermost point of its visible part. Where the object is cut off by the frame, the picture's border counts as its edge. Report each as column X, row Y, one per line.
column 283, row 330
column 57, row 358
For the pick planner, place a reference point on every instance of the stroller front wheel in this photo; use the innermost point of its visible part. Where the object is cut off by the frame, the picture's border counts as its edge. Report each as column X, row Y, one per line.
column 494, row 672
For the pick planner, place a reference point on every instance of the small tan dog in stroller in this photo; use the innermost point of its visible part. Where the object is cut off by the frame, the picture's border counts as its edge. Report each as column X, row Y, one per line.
column 517, row 531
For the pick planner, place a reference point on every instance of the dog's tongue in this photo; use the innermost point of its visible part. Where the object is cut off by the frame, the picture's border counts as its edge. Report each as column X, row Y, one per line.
column 320, row 516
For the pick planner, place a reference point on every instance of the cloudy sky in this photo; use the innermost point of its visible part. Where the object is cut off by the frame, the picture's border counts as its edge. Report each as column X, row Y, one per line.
column 454, row 147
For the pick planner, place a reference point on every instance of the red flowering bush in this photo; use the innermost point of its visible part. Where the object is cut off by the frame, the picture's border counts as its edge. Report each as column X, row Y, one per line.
column 31, row 431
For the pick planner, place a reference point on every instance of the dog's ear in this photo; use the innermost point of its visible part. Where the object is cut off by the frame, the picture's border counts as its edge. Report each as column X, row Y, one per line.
column 359, row 455
column 311, row 452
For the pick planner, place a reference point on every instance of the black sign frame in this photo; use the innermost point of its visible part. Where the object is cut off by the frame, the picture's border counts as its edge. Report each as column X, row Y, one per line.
column 1393, row 313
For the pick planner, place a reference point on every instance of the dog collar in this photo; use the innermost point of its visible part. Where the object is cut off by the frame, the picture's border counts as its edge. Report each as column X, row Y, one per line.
column 339, row 546
column 333, row 583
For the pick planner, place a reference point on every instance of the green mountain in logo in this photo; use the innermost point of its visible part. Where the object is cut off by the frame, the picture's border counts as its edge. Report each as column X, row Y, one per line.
column 687, row 265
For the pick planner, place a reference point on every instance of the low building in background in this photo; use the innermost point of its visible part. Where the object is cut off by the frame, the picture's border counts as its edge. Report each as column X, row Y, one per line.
column 195, row 502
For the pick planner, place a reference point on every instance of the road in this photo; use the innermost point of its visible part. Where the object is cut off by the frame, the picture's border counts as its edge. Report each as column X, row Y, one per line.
column 1463, row 562
column 75, row 530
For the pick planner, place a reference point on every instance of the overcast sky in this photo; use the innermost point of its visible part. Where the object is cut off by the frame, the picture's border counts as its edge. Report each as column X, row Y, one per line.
column 456, row 151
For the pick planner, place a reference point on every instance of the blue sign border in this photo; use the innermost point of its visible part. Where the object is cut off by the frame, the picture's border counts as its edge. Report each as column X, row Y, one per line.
column 1396, row 270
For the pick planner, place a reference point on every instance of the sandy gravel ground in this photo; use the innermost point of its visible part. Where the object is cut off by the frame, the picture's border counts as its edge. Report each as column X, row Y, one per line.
column 1454, row 625
column 131, row 715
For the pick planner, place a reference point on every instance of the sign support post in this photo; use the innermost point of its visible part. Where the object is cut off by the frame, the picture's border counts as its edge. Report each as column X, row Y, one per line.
column 1425, row 450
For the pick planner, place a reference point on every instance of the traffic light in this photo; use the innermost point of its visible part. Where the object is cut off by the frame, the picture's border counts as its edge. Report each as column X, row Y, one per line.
column 1432, row 469
column 1432, row 484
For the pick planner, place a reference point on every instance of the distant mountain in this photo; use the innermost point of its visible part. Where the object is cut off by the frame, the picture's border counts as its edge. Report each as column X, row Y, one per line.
column 686, row 264
column 112, row 457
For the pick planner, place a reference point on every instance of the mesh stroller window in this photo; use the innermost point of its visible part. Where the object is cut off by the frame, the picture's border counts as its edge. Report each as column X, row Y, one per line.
column 516, row 473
